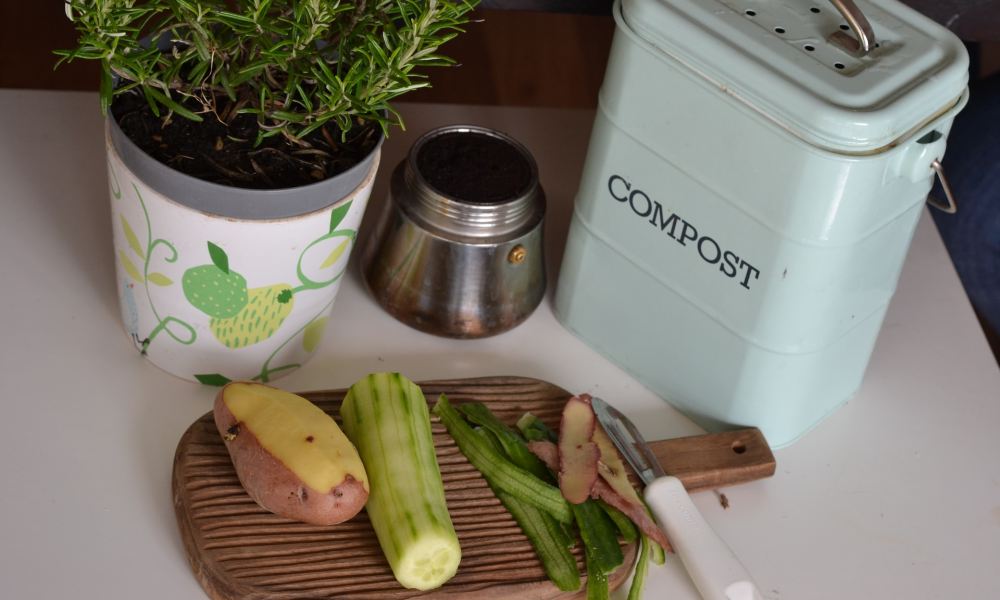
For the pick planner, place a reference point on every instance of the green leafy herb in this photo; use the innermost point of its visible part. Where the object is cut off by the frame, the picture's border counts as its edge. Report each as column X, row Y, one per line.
column 294, row 64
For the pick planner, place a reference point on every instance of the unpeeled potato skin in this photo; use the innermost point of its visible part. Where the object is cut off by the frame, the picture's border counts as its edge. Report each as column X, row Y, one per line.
column 275, row 487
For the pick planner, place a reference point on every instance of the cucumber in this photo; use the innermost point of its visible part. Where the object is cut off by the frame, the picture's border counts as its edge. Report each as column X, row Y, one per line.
column 385, row 416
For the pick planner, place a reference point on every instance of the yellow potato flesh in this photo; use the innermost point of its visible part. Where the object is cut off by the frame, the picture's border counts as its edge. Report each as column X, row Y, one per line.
column 612, row 469
column 297, row 433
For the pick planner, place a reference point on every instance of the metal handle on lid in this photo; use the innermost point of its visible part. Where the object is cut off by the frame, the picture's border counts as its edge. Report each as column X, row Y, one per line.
column 859, row 24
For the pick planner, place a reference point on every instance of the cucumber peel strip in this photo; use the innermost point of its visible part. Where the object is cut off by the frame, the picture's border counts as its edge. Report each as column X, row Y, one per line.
column 626, row 527
column 641, row 567
column 511, row 442
column 597, row 582
column 492, row 464
column 600, row 539
column 546, row 535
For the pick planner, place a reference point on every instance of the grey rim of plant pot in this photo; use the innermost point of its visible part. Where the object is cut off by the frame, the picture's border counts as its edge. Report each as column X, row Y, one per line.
column 234, row 202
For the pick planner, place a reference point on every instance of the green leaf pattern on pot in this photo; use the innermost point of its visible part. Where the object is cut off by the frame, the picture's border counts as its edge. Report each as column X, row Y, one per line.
column 132, row 238
column 263, row 314
column 116, row 188
column 181, row 331
column 335, row 255
column 219, row 257
column 238, row 316
column 212, row 379
column 160, row 279
column 337, row 215
column 214, row 292
column 130, row 267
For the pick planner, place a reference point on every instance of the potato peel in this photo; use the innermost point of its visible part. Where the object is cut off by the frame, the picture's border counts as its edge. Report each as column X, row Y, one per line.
column 578, row 454
column 549, row 454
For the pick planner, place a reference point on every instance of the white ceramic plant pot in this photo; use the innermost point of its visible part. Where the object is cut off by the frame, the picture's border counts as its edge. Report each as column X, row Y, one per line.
column 218, row 283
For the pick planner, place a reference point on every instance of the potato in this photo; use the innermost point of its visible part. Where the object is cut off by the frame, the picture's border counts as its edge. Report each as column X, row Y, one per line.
column 290, row 456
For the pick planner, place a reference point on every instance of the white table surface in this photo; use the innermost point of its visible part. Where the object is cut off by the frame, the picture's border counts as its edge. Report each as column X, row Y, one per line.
column 896, row 495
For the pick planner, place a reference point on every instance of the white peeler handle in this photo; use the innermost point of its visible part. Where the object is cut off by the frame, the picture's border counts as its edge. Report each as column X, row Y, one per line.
column 712, row 566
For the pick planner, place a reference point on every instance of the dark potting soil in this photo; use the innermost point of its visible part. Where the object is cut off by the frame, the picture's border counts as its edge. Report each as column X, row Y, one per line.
column 474, row 167
column 224, row 153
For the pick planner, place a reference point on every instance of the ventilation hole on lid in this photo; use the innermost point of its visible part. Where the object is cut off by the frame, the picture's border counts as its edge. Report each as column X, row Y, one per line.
column 814, row 10
column 838, row 65
column 809, row 48
column 779, row 30
column 844, row 27
column 751, row 13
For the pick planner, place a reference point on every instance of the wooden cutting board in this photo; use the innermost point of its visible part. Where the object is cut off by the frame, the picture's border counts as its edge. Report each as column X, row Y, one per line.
column 240, row 551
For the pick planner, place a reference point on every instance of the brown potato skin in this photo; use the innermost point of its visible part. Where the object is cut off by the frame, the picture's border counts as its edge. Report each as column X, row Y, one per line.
column 275, row 487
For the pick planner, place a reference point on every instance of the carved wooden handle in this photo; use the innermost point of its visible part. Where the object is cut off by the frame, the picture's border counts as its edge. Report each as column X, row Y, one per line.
column 716, row 460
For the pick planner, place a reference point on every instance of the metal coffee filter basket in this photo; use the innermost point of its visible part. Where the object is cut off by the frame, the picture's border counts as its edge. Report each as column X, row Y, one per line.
column 457, row 250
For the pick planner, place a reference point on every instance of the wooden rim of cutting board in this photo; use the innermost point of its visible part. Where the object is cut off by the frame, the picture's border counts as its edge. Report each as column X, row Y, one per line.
column 239, row 550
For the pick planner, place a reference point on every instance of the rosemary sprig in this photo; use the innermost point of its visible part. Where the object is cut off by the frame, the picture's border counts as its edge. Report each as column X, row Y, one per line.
column 296, row 65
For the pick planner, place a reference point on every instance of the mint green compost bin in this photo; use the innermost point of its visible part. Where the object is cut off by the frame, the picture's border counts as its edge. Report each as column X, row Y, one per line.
column 754, row 177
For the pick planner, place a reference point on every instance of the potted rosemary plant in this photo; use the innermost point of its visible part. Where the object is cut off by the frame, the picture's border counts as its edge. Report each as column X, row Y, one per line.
column 243, row 138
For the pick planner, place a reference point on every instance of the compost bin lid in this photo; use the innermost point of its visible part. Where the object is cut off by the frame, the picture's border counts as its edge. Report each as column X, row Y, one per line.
column 791, row 61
